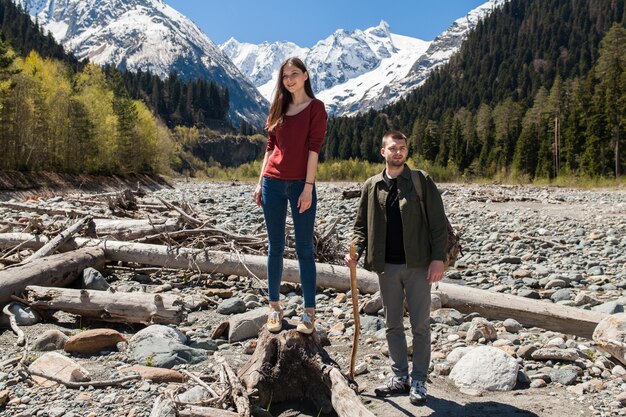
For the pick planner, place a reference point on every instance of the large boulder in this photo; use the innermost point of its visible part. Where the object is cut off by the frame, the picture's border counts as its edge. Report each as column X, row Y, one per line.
column 485, row 368
column 610, row 335
column 163, row 347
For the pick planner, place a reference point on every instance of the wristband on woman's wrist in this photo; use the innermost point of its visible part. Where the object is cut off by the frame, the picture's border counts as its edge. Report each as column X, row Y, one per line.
column 310, row 183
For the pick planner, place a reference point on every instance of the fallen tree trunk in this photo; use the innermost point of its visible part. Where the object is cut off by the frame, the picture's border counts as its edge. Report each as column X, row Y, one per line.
column 128, row 229
column 291, row 366
column 45, row 210
column 132, row 307
column 544, row 314
column 54, row 271
column 491, row 305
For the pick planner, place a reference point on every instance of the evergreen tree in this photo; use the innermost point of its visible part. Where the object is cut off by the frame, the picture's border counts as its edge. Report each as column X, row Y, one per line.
column 611, row 72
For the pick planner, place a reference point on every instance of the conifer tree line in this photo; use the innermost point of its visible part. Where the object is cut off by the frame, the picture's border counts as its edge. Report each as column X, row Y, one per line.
column 177, row 102
column 537, row 90
column 59, row 114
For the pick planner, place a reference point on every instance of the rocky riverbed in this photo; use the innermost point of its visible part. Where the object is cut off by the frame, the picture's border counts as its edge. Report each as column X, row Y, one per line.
column 558, row 245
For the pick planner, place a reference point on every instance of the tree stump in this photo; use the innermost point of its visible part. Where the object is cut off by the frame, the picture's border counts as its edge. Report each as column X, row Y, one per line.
column 292, row 366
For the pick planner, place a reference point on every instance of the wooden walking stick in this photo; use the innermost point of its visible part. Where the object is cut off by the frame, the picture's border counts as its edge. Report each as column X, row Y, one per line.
column 355, row 311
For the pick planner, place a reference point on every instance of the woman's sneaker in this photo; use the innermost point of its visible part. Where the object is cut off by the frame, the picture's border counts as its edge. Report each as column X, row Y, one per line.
column 307, row 323
column 417, row 396
column 275, row 320
column 394, row 385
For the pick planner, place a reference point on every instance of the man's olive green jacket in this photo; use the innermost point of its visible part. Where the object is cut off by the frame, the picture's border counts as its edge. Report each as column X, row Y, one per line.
column 423, row 240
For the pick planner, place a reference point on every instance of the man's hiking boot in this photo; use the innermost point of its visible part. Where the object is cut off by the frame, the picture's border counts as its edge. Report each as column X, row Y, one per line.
column 394, row 385
column 275, row 320
column 307, row 323
column 417, row 396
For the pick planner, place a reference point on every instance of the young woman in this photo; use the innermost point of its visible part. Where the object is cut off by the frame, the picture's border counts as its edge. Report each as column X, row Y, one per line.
column 296, row 126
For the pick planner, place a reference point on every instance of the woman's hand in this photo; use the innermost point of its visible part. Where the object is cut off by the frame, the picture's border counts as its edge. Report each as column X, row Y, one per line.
column 257, row 196
column 306, row 198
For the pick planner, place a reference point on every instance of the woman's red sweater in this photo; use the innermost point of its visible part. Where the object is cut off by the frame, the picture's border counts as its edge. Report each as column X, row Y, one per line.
column 292, row 141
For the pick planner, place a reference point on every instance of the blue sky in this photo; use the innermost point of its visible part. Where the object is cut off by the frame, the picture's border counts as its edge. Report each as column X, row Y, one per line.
column 306, row 22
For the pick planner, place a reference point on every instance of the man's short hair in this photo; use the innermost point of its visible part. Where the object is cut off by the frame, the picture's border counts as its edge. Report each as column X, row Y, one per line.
column 394, row 134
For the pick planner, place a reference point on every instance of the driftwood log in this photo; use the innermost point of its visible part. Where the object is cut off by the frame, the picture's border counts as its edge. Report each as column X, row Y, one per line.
column 291, row 366
column 45, row 210
column 128, row 229
column 51, row 271
column 133, row 307
column 491, row 305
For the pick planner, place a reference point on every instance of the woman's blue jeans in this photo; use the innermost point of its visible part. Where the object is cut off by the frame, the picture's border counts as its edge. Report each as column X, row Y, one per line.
column 275, row 194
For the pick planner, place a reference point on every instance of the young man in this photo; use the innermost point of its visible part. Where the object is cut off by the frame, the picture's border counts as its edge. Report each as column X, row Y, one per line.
column 407, row 252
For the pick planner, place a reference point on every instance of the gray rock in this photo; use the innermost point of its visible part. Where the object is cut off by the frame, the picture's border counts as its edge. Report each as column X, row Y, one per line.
column 448, row 316
column 595, row 270
column 92, row 279
column 206, row 344
column 611, row 307
column 486, row 368
column 522, row 377
column 24, row 316
column 233, row 305
column 481, row 328
column 561, row 295
column 555, row 354
column 564, row 376
column 373, row 305
column 582, row 298
column 246, row 325
column 512, row 325
column 50, row 340
column 163, row 347
column 371, row 324
column 515, row 260
column 526, row 351
column 523, row 292
column 195, row 395
column 195, row 302
column 556, row 283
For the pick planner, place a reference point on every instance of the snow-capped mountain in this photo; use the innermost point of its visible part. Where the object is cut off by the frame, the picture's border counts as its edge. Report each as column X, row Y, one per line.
column 145, row 35
column 359, row 70
column 260, row 62
column 438, row 53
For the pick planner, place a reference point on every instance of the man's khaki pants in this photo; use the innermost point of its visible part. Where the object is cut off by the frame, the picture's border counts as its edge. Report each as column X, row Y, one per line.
column 398, row 282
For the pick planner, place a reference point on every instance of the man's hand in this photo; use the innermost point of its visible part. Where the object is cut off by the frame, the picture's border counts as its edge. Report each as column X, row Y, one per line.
column 435, row 271
column 350, row 261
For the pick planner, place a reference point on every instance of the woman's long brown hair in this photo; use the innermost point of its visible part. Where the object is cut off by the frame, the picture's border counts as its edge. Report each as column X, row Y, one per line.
column 282, row 96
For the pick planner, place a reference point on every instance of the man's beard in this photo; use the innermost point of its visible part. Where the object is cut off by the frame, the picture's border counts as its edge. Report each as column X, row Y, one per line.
column 396, row 163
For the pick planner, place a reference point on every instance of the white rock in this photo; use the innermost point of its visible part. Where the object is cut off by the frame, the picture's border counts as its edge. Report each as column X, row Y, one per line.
column 457, row 353
column 59, row 366
column 610, row 335
column 486, row 368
